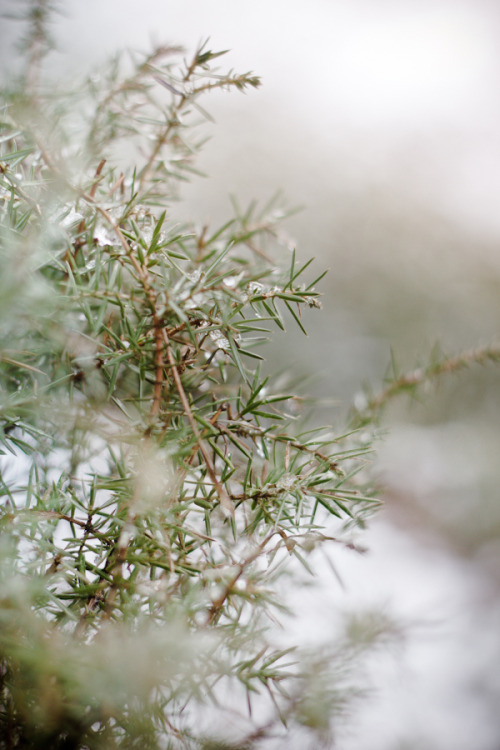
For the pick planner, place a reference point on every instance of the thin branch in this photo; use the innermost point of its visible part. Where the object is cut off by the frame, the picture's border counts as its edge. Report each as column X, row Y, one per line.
column 412, row 380
column 224, row 498
column 157, row 323
column 216, row 608
column 253, row 430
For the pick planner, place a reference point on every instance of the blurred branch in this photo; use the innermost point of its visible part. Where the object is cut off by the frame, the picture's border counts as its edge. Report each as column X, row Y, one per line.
column 372, row 407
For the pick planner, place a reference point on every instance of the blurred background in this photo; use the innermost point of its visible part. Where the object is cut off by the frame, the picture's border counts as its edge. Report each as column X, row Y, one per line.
column 381, row 120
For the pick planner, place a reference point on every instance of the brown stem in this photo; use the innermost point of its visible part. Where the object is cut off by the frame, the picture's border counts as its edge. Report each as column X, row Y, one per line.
column 96, row 179
column 157, row 324
column 163, row 137
column 216, row 608
column 252, row 430
column 221, row 492
column 420, row 376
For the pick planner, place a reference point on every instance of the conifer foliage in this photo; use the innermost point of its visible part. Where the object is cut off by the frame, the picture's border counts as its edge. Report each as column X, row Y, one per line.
column 157, row 484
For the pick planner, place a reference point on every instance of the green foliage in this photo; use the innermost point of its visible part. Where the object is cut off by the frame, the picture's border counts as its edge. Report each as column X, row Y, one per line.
column 158, row 486
column 156, row 482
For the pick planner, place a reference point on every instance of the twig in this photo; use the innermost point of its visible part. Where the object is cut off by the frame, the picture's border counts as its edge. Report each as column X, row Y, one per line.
column 216, row 608
column 221, row 492
column 411, row 380
column 252, row 430
column 157, row 324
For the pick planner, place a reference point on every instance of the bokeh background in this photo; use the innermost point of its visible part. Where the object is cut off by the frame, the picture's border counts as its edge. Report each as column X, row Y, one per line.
column 381, row 119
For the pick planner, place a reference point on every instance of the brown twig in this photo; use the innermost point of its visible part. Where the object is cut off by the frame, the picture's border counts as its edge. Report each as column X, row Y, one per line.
column 157, row 323
column 173, row 121
column 221, row 492
column 98, row 171
column 161, row 336
column 420, row 376
column 217, row 605
column 252, row 431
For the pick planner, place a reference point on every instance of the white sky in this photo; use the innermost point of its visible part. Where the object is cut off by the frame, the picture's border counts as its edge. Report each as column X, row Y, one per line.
column 385, row 85
column 396, row 92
